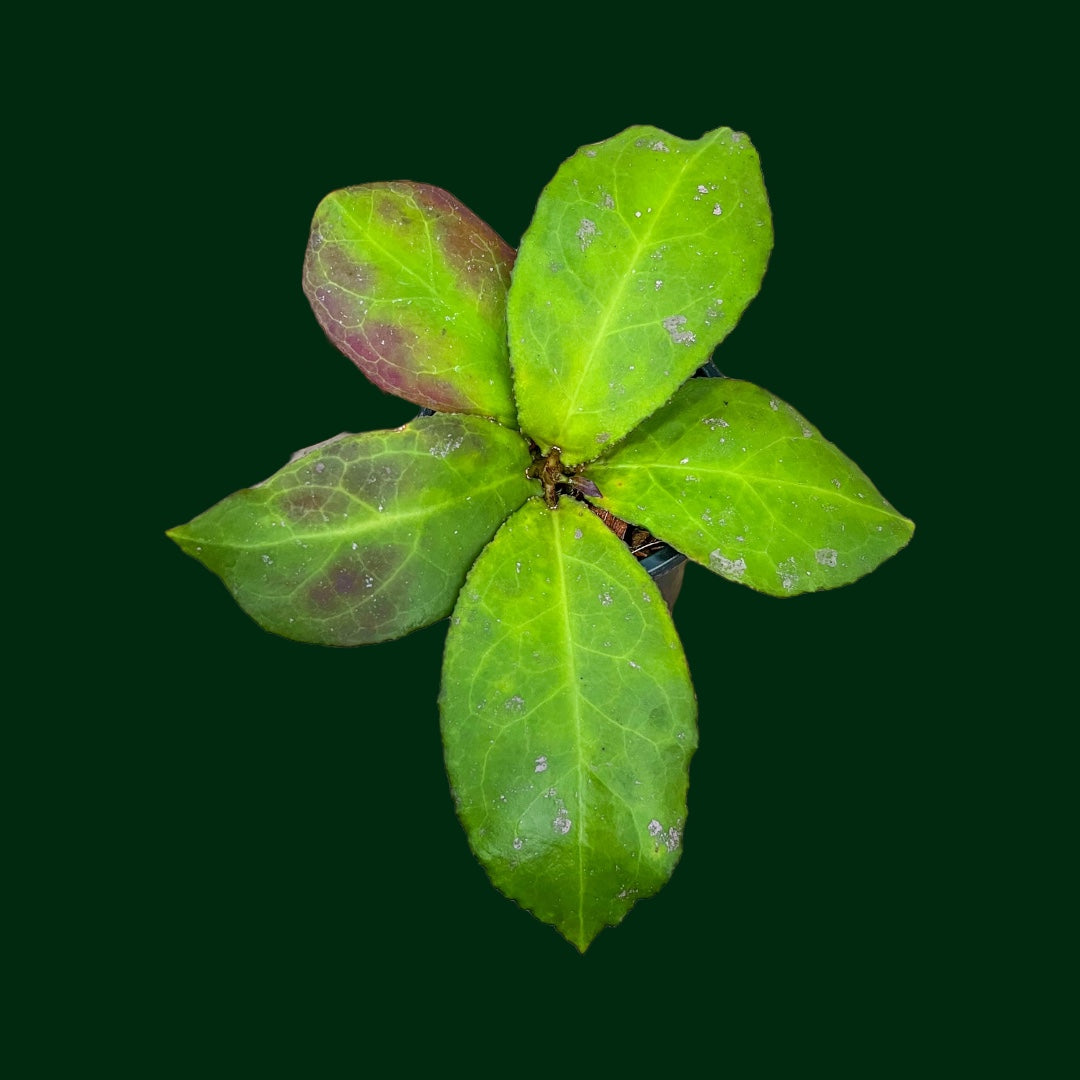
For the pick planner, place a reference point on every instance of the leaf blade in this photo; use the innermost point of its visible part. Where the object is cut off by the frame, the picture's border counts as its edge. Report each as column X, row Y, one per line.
column 335, row 547
column 643, row 253
column 411, row 286
column 740, row 482
column 568, row 726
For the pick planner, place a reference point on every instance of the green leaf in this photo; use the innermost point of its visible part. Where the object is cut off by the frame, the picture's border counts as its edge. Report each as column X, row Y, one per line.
column 411, row 286
column 740, row 482
column 365, row 537
column 643, row 253
column 568, row 720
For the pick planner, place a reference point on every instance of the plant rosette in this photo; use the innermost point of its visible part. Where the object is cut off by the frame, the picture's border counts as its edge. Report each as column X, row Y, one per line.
column 561, row 386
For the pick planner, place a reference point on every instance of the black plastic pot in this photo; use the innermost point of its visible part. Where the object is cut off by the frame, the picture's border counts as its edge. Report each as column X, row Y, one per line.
column 666, row 566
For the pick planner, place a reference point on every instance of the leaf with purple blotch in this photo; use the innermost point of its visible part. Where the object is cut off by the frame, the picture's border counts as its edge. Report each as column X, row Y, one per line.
column 411, row 286
column 368, row 536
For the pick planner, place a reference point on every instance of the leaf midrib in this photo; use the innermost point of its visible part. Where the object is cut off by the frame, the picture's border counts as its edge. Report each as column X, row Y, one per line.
column 601, row 331
column 361, row 527
column 571, row 668
column 751, row 480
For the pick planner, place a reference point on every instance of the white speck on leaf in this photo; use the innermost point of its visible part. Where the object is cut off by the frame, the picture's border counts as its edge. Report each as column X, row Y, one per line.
column 826, row 556
column 586, row 232
column 515, row 703
column 787, row 571
column 723, row 565
column 266, row 559
column 445, row 446
column 717, row 209
column 655, row 828
column 541, row 764
column 319, row 466
column 578, row 534
column 605, row 599
column 562, row 822
column 518, row 843
column 659, row 147
column 681, row 337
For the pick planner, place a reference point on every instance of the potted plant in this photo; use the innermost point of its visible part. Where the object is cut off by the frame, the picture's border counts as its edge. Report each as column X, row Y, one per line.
column 564, row 439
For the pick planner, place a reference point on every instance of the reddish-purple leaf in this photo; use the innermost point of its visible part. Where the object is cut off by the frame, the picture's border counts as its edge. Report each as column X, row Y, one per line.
column 411, row 286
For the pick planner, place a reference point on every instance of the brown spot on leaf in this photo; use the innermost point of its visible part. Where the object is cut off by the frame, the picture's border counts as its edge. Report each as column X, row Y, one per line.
column 337, row 265
column 300, row 502
column 344, row 580
column 390, row 206
column 351, row 579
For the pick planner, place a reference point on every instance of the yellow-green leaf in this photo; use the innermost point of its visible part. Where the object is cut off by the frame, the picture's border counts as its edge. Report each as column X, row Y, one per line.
column 568, row 720
column 643, row 253
column 740, row 482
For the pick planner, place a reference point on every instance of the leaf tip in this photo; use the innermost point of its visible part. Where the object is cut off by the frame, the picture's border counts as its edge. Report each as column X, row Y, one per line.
column 181, row 536
column 580, row 940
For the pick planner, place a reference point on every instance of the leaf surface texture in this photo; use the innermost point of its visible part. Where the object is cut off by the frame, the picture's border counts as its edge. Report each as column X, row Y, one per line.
column 368, row 536
column 737, row 480
column 411, row 286
column 643, row 252
column 568, row 720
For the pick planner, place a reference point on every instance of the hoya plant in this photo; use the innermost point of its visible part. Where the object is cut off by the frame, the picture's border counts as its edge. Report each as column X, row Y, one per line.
column 562, row 435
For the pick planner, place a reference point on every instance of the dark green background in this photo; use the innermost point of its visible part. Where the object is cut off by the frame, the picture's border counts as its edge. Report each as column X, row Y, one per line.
column 280, row 858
